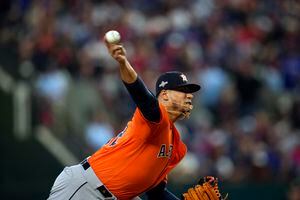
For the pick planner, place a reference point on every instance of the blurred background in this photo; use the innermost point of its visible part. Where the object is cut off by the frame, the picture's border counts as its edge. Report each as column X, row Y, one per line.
column 61, row 97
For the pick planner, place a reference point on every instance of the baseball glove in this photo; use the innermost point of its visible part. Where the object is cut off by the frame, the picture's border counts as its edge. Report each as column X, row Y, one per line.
column 206, row 189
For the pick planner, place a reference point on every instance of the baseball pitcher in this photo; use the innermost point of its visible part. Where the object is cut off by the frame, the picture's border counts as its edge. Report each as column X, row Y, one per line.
column 139, row 159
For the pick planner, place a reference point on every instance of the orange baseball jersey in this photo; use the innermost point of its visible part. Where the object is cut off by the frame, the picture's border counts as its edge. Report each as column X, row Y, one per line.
column 140, row 157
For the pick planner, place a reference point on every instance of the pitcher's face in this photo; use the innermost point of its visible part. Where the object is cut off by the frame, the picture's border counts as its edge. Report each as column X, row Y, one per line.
column 181, row 102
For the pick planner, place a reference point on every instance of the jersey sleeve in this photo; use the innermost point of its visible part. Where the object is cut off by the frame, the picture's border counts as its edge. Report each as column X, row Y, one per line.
column 144, row 99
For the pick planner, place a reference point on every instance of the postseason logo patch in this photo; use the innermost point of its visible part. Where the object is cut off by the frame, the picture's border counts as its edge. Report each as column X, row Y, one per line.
column 163, row 84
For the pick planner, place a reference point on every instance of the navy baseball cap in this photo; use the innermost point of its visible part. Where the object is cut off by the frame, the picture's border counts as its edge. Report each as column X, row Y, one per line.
column 175, row 80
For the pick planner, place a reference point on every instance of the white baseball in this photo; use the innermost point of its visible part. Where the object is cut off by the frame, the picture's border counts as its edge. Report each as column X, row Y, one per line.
column 113, row 36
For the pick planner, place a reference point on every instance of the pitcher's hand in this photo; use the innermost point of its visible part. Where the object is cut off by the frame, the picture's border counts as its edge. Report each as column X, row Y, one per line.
column 117, row 51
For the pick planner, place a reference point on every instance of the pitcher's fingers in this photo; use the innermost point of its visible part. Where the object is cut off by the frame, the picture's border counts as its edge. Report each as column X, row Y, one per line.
column 117, row 53
column 114, row 50
column 113, row 47
column 118, row 50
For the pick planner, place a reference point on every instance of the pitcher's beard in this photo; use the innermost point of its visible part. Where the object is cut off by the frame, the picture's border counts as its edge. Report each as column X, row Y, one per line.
column 183, row 111
column 186, row 114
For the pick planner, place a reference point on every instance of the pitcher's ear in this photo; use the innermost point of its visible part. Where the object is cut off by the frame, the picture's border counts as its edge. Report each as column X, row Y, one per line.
column 164, row 95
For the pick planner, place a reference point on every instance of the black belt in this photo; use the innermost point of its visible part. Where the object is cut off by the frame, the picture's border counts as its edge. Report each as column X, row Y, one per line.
column 102, row 189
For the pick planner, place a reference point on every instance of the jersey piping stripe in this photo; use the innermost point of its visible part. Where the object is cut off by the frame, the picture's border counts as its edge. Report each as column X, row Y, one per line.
column 77, row 190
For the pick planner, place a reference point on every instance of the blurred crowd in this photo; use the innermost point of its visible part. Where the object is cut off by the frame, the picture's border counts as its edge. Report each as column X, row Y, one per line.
column 245, row 54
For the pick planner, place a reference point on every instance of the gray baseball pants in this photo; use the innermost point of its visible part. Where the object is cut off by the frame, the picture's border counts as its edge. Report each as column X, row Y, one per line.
column 77, row 183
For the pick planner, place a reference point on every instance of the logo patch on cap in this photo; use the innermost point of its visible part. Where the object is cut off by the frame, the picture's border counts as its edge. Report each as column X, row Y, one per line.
column 163, row 84
column 183, row 78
